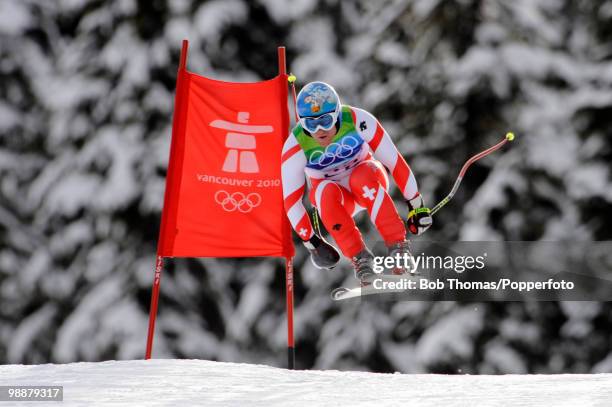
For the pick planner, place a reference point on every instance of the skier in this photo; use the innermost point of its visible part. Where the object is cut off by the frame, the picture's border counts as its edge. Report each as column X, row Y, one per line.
column 342, row 150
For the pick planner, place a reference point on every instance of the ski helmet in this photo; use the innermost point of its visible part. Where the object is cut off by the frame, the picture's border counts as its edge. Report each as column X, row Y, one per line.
column 318, row 106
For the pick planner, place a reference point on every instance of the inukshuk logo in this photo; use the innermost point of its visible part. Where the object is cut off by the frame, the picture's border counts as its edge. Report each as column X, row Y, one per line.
column 240, row 140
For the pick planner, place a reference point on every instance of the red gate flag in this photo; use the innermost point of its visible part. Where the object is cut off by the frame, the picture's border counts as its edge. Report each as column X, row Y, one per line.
column 223, row 189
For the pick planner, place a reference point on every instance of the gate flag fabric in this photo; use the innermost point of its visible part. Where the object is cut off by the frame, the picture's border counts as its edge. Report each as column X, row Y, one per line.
column 223, row 193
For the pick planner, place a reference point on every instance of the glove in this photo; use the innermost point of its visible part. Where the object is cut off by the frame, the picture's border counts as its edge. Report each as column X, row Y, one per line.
column 419, row 217
column 322, row 254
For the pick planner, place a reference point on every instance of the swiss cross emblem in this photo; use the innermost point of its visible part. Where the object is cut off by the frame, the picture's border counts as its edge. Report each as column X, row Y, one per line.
column 368, row 193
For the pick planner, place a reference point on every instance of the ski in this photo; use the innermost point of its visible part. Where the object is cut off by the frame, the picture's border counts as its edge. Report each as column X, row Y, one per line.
column 344, row 293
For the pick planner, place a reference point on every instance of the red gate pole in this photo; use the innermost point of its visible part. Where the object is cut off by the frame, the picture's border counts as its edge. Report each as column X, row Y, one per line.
column 289, row 291
column 159, row 264
column 282, row 70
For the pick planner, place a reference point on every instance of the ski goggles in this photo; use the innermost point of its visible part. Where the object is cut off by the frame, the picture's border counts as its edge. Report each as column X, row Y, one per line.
column 324, row 122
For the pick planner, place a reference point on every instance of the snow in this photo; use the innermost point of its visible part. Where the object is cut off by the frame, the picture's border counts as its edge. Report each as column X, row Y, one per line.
column 423, row 8
column 97, row 261
column 28, row 330
column 72, row 193
column 8, row 117
column 170, row 382
column 319, row 60
column 281, row 13
column 604, row 365
column 251, row 303
column 179, row 6
column 34, row 270
column 70, row 344
column 451, row 337
column 589, row 181
column 214, row 15
column 393, row 53
column 14, row 17
column 65, row 92
column 177, row 30
column 531, row 16
column 503, row 358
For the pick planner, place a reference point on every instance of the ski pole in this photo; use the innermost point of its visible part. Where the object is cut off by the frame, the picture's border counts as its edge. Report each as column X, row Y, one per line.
column 315, row 216
column 509, row 137
column 291, row 79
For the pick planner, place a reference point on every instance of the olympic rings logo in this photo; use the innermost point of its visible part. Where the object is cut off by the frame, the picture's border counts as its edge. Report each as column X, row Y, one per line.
column 334, row 151
column 237, row 201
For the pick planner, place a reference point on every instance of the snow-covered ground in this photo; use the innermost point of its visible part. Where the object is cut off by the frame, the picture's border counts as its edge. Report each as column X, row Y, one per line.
column 196, row 382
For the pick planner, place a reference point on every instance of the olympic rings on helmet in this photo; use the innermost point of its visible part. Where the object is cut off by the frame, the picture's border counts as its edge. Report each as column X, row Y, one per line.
column 237, row 201
column 334, row 151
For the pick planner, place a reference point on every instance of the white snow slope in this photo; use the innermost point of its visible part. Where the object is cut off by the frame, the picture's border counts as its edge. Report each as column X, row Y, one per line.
column 204, row 383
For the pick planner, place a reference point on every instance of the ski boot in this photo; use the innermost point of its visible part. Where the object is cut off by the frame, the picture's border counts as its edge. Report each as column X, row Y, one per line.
column 322, row 254
column 404, row 251
column 363, row 266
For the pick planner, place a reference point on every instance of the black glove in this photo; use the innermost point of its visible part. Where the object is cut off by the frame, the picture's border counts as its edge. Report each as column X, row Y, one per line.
column 322, row 254
column 419, row 217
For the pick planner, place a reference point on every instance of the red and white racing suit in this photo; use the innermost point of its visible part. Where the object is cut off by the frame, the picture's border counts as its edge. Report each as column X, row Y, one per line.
column 339, row 192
